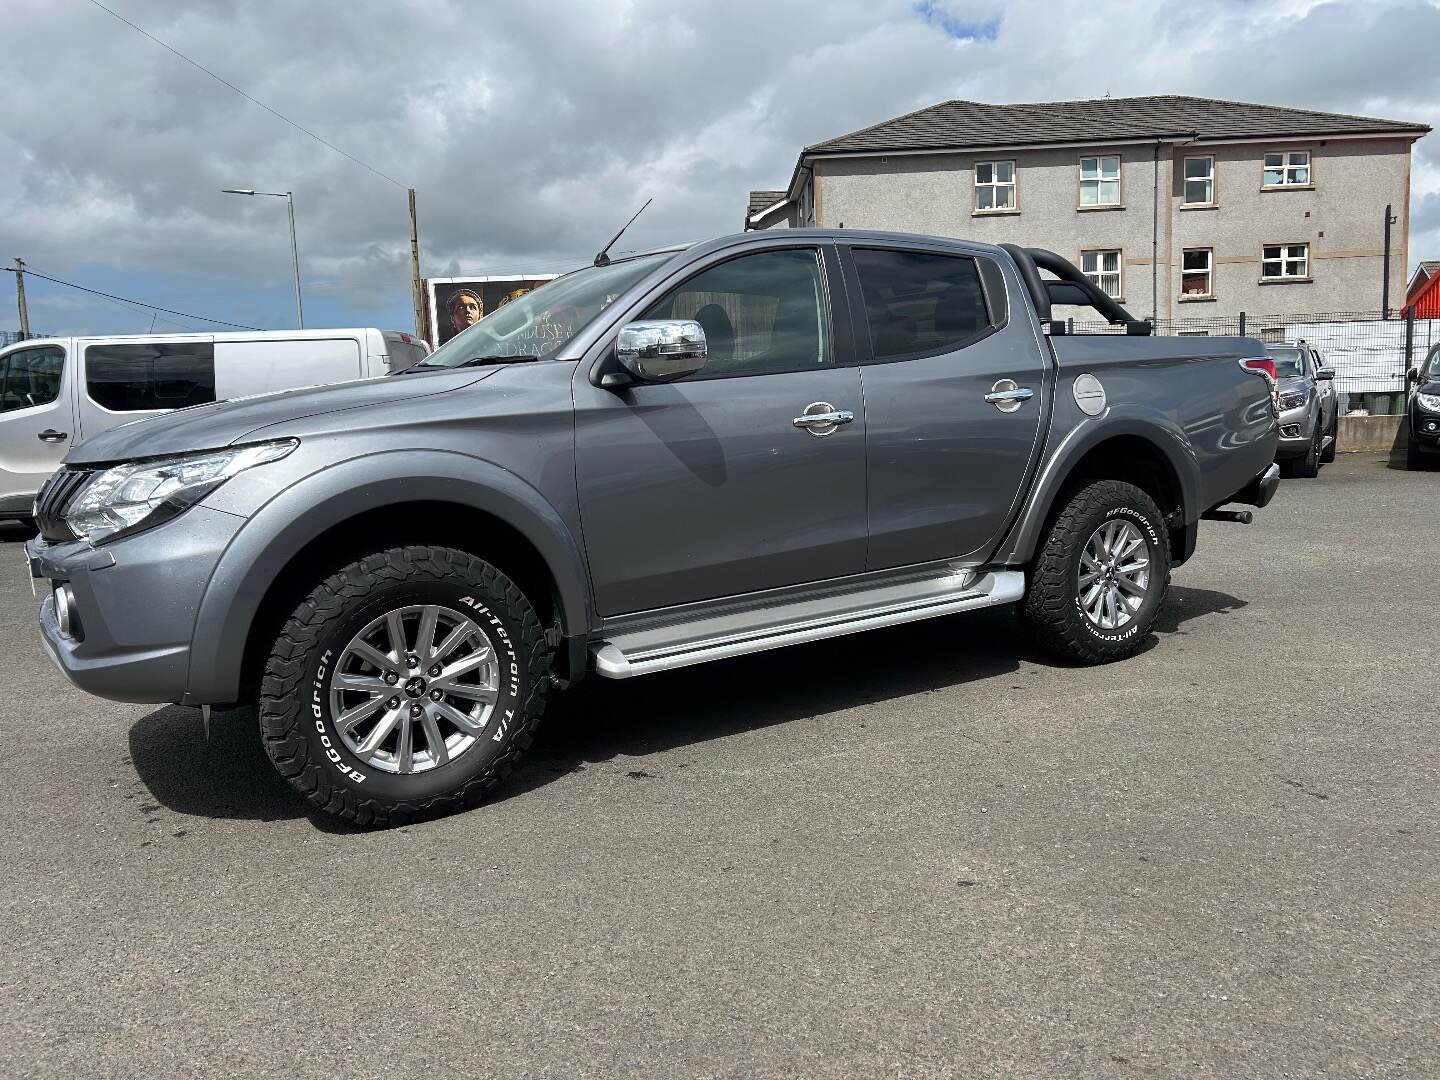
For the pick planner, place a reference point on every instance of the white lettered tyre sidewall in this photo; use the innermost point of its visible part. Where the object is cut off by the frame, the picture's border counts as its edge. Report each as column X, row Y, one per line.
column 1142, row 621
column 328, row 747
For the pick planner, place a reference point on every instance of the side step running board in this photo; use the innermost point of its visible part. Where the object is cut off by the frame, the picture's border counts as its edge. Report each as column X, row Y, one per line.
column 676, row 645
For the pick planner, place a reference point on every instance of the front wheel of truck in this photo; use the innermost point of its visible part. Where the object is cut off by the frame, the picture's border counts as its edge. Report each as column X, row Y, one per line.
column 404, row 686
column 1100, row 578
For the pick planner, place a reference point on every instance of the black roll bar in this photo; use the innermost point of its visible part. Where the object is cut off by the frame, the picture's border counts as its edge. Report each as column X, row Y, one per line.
column 1073, row 286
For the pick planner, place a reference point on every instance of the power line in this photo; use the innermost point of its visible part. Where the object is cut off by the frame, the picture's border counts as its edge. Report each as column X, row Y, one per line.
column 127, row 300
column 247, row 97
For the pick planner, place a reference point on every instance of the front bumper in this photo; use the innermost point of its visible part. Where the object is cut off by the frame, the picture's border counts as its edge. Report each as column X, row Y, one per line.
column 1297, row 431
column 1425, row 428
column 133, row 604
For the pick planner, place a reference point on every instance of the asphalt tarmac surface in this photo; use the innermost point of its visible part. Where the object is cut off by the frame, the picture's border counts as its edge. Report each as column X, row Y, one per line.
column 926, row 851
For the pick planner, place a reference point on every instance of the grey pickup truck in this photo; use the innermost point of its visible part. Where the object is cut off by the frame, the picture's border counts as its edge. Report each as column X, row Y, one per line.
column 656, row 461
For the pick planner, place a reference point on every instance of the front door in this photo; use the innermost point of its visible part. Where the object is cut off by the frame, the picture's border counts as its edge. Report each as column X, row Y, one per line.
column 947, row 457
column 37, row 424
column 705, row 487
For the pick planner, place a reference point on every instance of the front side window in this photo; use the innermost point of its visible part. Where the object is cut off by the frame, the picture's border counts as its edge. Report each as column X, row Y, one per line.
column 154, row 375
column 1100, row 180
column 920, row 304
column 1432, row 366
column 1195, row 271
column 1287, row 168
column 1199, row 181
column 1283, row 261
column 30, row 377
column 995, row 185
column 1103, row 268
column 761, row 313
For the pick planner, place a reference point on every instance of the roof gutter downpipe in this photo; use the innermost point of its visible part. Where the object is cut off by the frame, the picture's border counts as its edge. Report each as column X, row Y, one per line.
column 1155, row 243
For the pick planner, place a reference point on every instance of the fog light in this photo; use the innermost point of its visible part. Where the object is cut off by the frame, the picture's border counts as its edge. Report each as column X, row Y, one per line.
column 65, row 610
column 1290, row 431
column 1430, row 425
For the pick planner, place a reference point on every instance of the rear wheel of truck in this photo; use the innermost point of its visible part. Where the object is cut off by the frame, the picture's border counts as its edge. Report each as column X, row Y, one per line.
column 1100, row 578
column 405, row 685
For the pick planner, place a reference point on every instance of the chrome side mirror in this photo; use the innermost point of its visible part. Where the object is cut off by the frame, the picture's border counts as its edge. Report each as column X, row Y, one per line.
column 661, row 350
column 1325, row 374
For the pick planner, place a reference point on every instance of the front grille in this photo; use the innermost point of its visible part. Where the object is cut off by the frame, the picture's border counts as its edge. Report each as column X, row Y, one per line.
column 54, row 497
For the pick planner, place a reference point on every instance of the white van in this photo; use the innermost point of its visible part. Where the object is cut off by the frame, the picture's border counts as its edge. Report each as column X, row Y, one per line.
column 54, row 392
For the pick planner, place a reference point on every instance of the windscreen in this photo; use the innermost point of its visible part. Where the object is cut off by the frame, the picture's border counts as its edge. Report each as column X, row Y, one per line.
column 540, row 323
column 1289, row 361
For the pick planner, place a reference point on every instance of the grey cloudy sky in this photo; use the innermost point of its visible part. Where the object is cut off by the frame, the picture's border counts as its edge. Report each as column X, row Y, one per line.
column 531, row 131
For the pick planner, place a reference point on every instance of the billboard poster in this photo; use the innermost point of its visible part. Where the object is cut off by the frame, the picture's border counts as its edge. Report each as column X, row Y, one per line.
column 458, row 303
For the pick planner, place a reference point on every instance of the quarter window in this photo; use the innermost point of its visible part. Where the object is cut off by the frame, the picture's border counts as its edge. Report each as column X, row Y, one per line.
column 30, row 377
column 920, row 304
column 1281, row 261
column 155, row 375
column 1196, row 271
column 1199, row 181
column 1287, row 169
column 761, row 313
column 995, row 185
column 1103, row 268
column 1100, row 180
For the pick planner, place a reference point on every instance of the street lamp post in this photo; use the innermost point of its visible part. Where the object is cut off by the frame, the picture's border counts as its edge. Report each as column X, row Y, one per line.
column 289, row 197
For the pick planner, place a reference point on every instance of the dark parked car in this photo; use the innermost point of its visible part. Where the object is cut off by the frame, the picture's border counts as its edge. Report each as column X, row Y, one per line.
column 1423, row 414
column 667, row 459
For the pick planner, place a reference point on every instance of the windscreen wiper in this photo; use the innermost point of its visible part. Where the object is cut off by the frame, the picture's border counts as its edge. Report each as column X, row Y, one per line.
column 521, row 358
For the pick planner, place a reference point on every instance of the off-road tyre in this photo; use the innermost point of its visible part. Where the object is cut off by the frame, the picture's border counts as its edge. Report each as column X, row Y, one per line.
column 1327, row 456
column 296, row 725
column 1051, row 608
column 1308, row 467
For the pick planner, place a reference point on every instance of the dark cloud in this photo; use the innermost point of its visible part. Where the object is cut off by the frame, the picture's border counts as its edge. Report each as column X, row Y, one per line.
column 532, row 131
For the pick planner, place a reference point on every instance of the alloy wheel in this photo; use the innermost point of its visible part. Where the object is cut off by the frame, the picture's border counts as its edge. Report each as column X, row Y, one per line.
column 1114, row 575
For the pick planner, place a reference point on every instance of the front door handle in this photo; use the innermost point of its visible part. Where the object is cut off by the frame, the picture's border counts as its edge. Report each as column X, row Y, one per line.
column 821, row 418
column 51, row 435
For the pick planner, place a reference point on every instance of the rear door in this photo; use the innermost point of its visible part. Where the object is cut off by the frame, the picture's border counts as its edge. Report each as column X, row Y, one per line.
column 122, row 381
column 947, row 460
column 37, row 424
column 705, row 487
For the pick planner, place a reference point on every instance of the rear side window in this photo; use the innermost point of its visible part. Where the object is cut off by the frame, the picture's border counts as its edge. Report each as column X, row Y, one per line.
column 30, row 377
column 155, row 375
column 920, row 304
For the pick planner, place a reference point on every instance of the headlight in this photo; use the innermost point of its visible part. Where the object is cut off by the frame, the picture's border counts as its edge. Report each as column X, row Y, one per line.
column 1294, row 399
column 1429, row 401
column 143, row 494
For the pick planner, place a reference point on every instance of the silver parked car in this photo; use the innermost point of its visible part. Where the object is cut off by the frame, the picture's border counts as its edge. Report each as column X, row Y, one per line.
column 1309, row 409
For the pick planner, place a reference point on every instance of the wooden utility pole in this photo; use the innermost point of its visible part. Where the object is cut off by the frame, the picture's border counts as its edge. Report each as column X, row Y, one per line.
column 417, row 289
column 20, row 298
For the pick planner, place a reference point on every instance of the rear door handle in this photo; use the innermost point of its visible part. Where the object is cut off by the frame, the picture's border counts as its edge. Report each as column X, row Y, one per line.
column 824, row 419
column 51, row 435
column 1020, row 393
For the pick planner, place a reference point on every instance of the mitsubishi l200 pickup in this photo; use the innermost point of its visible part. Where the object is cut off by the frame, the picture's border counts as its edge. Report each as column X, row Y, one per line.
column 661, row 460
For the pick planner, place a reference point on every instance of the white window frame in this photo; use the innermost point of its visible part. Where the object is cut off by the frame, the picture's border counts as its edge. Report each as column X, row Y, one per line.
column 1101, row 178
column 996, row 187
column 1186, row 180
column 1209, row 273
column 1097, row 275
column 1289, row 168
column 1284, row 255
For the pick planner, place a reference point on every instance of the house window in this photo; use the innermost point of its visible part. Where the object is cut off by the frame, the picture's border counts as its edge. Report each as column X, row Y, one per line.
column 1103, row 268
column 1199, row 181
column 1195, row 271
column 1290, row 169
column 1281, row 262
column 1100, row 181
column 994, row 185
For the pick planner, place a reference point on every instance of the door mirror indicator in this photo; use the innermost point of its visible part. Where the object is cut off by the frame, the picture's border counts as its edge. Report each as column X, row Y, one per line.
column 661, row 350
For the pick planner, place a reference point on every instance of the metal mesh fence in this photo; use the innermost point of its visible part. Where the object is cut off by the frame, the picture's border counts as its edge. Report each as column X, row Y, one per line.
column 1369, row 352
column 14, row 337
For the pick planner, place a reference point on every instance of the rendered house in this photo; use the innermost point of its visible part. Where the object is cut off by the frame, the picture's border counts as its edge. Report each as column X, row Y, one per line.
column 1178, row 206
